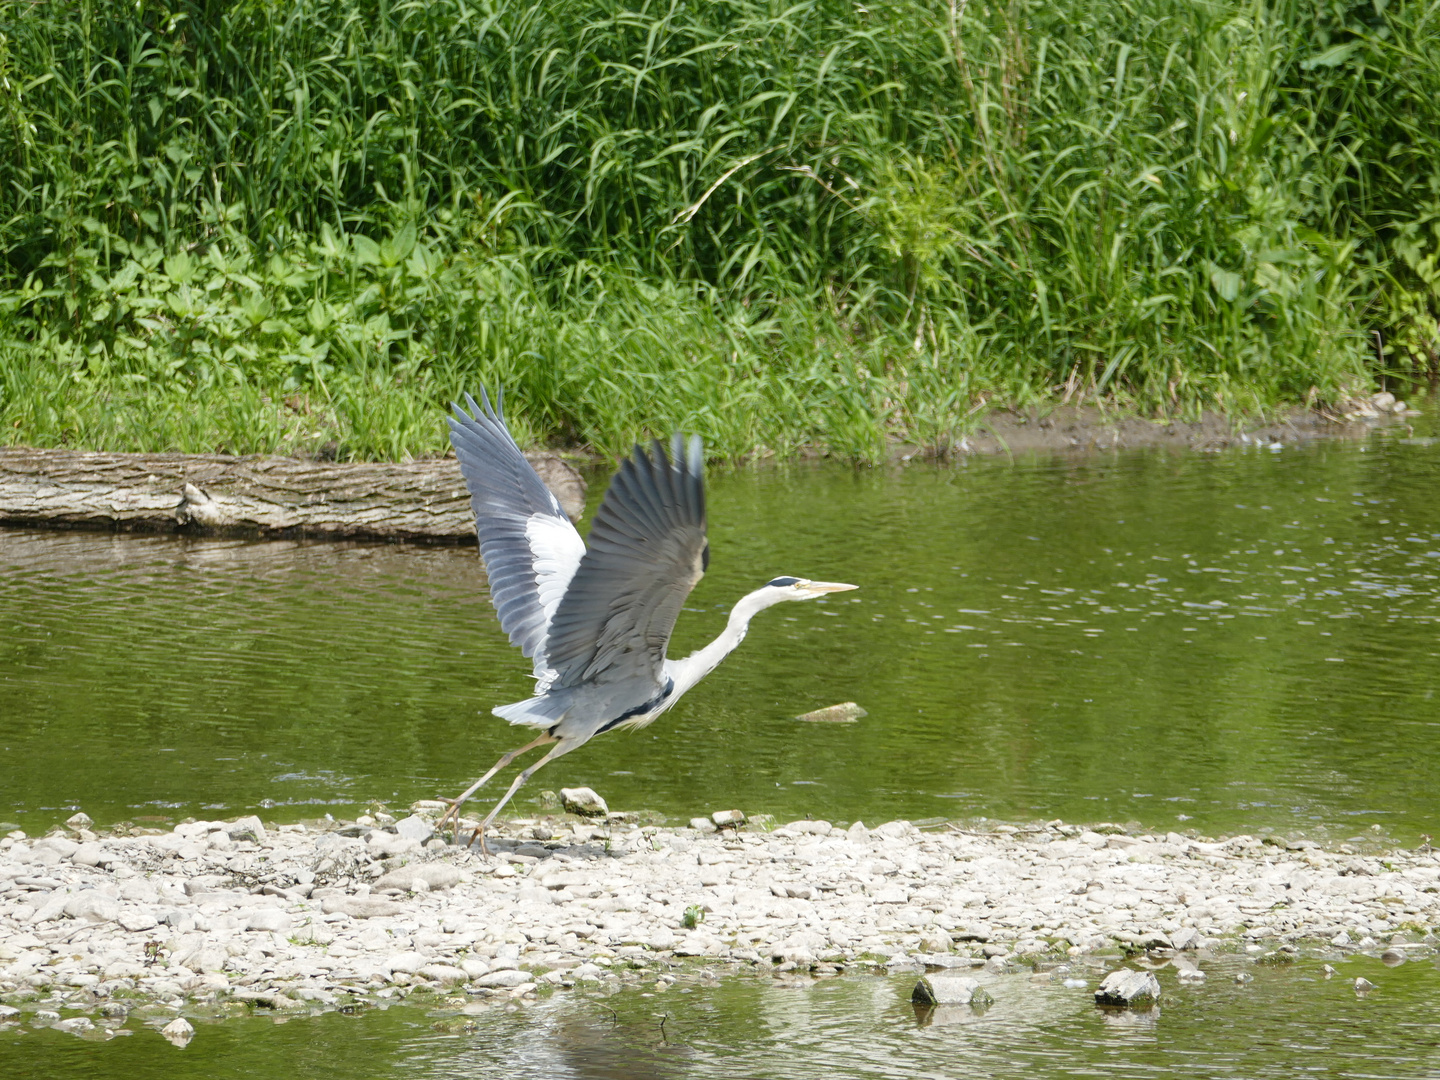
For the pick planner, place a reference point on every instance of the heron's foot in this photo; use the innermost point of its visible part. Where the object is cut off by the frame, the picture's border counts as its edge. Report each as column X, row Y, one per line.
column 480, row 834
column 452, row 815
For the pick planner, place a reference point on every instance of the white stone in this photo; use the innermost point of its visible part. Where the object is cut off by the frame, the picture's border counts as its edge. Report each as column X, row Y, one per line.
column 271, row 920
column 247, row 828
column 415, row 828
column 432, row 875
column 407, row 962
column 136, row 921
column 503, row 979
column 179, row 1032
column 443, row 973
column 474, row 967
column 93, row 906
column 583, row 801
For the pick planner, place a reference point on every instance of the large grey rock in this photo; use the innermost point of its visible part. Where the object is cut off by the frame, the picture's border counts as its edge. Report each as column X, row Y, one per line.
column 79, row 820
column 1126, row 988
column 179, row 1032
column 731, row 819
column 414, row 827
column 583, row 801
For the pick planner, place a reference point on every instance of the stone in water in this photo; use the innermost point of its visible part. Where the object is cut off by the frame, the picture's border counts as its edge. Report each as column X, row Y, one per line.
column 178, row 1031
column 1126, row 988
column 79, row 820
column 950, row 990
column 583, row 801
column 845, row 713
column 728, row 819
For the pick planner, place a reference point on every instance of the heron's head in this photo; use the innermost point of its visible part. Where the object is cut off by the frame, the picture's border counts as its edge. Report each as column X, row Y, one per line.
column 794, row 588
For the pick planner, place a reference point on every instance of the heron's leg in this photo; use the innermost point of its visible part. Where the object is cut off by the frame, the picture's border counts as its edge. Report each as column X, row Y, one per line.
column 455, row 804
column 563, row 746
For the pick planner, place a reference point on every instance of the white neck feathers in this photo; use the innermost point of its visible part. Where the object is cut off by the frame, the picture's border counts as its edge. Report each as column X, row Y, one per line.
column 697, row 665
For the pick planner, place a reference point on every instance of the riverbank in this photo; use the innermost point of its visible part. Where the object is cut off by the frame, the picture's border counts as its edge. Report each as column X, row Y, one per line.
column 279, row 497
column 215, row 915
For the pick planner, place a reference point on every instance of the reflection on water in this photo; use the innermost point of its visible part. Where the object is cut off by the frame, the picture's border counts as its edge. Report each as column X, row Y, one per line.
column 1289, row 1021
column 1236, row 641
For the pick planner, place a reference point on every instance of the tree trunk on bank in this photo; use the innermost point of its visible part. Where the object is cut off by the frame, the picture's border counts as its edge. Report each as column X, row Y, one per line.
column 260, row 496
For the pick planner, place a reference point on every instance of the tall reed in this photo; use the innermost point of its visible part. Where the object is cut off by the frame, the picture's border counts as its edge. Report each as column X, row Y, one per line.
column 778, row 224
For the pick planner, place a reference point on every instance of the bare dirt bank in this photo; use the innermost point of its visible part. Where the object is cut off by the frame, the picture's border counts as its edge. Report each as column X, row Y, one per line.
column 1083, row 429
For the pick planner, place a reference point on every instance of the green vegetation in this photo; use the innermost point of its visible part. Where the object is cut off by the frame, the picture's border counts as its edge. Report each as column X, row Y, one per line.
column 260, row 226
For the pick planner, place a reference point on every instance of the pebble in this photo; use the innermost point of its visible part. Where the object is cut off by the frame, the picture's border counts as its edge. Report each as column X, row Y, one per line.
column 1363, row 985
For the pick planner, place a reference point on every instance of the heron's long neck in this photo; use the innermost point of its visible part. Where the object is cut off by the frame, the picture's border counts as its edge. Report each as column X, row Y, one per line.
column 697, row 665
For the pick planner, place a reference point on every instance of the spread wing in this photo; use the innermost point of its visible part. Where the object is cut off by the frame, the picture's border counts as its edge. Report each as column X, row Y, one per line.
column 531, row 550
column 647, row 551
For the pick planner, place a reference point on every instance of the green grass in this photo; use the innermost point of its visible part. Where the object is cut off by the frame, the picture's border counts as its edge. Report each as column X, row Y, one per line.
column 255, row 226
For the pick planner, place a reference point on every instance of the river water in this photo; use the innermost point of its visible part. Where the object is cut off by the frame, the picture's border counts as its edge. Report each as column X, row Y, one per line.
column 1241, row 641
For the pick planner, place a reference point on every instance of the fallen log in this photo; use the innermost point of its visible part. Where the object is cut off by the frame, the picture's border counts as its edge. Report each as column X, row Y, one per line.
column 257, row 495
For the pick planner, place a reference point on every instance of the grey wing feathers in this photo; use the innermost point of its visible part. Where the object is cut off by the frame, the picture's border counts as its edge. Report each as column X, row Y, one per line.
column 647, row 550
column 530, row 547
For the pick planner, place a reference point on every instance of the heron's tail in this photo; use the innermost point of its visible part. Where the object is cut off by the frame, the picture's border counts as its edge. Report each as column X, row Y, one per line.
column 542, row 712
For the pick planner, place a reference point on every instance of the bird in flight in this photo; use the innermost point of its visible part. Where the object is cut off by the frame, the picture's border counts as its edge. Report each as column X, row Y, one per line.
column 595, row 621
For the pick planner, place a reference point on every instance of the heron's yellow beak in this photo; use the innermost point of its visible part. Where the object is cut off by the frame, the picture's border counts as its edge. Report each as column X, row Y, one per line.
column 819, row 588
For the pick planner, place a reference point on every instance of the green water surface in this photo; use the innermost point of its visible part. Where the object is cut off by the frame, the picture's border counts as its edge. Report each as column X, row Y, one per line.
column 1287, row 1022
column 1222, row 642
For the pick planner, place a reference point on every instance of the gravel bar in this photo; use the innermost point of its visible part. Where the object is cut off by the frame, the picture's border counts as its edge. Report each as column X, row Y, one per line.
column 334, row 914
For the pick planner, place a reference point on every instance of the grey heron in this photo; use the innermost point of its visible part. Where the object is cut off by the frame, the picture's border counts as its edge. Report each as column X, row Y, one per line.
column 595, row 621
